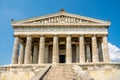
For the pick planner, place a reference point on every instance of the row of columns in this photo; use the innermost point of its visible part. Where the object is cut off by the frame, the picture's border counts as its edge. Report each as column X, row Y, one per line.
column 27, row 59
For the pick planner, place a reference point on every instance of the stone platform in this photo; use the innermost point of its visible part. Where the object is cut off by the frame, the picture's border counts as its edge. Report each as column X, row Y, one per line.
column 88, row 71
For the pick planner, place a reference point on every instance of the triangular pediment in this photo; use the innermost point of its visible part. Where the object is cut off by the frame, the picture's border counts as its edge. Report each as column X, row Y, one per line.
column 61, row 18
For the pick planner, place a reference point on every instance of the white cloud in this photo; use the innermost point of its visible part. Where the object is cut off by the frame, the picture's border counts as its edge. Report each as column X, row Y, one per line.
column 114, row 52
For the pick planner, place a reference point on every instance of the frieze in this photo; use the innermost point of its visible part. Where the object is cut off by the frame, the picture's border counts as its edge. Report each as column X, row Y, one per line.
column 61, row 19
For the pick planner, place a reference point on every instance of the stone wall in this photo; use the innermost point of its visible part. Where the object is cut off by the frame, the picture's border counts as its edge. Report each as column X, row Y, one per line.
column 16, row 75
column 108, row 74
column 103, row 71
column 20, row 72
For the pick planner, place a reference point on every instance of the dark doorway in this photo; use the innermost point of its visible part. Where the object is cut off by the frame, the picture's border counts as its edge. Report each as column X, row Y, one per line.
column 62, row 58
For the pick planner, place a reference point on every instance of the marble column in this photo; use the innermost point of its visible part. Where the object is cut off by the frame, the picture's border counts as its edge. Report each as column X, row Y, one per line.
column 55, row 58
column 41, row 49
column 35, row 54
column 88, row 53
column 82, row 49
column 46, row 53
column 94, row 49
column 68, row 49
column 28, row 52
column 15, row 51
column 105, row 49
column 77, row 53
column 22, row 53
column 100, row 52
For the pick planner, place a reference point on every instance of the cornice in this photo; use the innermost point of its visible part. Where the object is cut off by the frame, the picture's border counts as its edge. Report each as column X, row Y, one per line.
column 60, row 24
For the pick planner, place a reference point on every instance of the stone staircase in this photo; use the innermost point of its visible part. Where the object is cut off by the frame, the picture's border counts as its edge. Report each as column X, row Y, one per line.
column 62, row 72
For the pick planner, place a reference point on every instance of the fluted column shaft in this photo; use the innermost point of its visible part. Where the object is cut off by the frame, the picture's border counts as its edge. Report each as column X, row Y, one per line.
column 100, row 52
column 82, row 49
column 68, row 49
column 88, row 53
column 35, row 54
column 22, row 52
column 46, row 53
column 41, row 49
column 28, row 56
column 55, row 58
column 15, row 51
column 94, row 49
column 105, row 49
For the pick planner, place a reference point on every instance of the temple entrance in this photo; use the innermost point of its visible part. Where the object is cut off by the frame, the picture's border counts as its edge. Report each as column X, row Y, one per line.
column 61, row 58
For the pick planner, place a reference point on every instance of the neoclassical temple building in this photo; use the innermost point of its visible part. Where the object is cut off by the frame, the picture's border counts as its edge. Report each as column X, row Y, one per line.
column 60, row 37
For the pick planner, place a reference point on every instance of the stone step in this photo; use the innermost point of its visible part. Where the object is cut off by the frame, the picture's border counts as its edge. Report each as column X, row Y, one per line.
column 62, row 72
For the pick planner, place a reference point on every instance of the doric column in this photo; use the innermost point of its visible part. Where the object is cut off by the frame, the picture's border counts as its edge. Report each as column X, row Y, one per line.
column 46, row 53
column 35, row 54
column 82, row 49
column 41, row 49
column 105, row 49
column 88, row 52
column 68, row 49
column 22, row 52
column 77, row 53
column 100, row 52
column 94, row 49
column 15, row 51
column 28, row 52
column 55, row 58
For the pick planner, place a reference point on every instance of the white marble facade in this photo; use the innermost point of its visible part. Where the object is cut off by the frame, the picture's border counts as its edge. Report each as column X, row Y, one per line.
column 60, row 38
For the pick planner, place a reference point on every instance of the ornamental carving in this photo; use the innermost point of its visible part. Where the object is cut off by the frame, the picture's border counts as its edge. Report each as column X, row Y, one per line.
column 61, row 19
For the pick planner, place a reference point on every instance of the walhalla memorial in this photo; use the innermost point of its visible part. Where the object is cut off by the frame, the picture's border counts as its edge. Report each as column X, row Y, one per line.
column 60, row 46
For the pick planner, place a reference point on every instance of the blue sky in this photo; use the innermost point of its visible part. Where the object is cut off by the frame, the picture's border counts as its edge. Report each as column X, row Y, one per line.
column 21, row 9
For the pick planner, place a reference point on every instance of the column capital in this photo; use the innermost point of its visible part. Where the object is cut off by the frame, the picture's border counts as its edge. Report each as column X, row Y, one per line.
column 42, row 35
column 69, row 35
column 94, row 35
column 16, row 35
column 105, row 35
column 29, row 36
column 55, row 35
column 81, row 35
